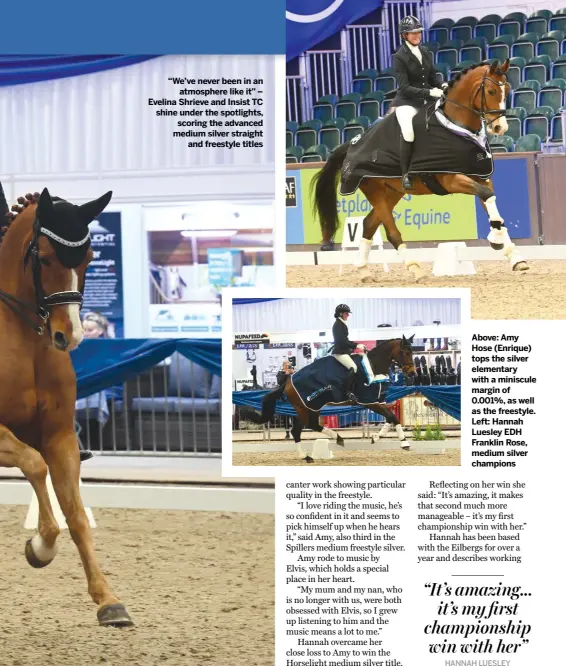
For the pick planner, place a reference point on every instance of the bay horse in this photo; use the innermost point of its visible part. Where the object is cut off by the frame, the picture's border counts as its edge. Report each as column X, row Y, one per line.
column 475, row 98
column 380, row 357
column 44, row 252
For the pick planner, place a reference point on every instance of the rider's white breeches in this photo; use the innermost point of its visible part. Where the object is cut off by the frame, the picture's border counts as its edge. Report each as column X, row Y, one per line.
column 405, row 115
column 347, row 361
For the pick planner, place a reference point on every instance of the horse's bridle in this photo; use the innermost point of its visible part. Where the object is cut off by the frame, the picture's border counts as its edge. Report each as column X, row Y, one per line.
column 406, row 367
column 482, row 112
column 43, row 303
column 399, row 358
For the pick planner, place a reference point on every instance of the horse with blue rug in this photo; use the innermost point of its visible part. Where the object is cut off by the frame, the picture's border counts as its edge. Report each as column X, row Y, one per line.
column 329, row 381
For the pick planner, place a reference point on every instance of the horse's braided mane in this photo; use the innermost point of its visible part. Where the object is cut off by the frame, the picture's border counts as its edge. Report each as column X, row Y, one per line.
column 465, row 71
column 10, row 215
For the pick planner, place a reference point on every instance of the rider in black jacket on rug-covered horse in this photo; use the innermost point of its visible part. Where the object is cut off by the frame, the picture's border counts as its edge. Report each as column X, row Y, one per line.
column 343, row 347
column 417, row 83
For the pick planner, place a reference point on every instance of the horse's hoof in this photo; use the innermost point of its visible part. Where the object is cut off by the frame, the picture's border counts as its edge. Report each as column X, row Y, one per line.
column 363, row 273
column 114, row 615
column 521, row 266
column 327, row 247
column 417, row 272
column 32, row 558
column 497, row 246
column 340, row 442
column 308, row 459
column 406, row 448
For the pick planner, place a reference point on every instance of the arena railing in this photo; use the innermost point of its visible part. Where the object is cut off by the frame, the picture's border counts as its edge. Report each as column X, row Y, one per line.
column 367, row 46
column 170, row 408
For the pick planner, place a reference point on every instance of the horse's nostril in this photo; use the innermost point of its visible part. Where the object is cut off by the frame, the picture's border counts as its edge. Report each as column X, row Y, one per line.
column 60, row 340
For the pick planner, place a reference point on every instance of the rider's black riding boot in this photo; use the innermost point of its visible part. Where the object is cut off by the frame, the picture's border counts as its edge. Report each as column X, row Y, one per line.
column 349, row 384
column 405, row 151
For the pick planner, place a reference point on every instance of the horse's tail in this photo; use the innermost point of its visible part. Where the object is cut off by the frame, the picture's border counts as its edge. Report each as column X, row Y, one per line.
column 267, row 407
column 325, row 184
column 269, row 403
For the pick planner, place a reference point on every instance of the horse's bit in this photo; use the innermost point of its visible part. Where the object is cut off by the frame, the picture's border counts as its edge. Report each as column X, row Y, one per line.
column 43, row 302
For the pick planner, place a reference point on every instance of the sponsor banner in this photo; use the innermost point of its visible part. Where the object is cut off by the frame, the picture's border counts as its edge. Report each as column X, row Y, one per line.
column 430, row 218
column 246, row 345
column 185, row 320
column 424, row 218
column 291, row 192
column 281, row 345
column 251, row 337
column 308, row 23
column 104, row 287
column 295, row 229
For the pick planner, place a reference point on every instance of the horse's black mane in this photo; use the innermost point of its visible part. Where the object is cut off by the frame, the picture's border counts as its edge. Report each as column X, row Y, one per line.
column 465, row 71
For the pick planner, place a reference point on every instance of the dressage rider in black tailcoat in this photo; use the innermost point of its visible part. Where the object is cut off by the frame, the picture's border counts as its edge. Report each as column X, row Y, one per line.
column 343, row 347
column 413, row 66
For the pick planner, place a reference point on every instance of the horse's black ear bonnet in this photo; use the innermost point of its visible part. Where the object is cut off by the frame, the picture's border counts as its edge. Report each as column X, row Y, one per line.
column 66, row 226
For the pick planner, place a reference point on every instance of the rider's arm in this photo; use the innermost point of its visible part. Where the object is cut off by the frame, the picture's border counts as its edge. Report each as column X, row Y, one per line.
column 402, row 78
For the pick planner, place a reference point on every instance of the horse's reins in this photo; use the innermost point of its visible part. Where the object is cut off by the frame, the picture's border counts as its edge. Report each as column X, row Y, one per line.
column 43, row 302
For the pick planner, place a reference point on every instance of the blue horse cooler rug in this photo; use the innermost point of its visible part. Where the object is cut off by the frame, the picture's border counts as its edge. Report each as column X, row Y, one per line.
column 322, row 383
column 440, row 147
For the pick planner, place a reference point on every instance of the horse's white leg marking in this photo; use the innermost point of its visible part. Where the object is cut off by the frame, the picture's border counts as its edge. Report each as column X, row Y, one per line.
column 329, row 433
column 501, row 236
column 384, row 430
column 73, row 310
column 42, row 550
column 300, row 451
column 363, row 258
column 412, row 265
column 14, row 453
column 492, row 211
column 400, row 433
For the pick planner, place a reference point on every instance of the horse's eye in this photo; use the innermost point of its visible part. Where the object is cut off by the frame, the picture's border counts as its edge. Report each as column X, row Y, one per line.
column 45, row 261
column 492, row 92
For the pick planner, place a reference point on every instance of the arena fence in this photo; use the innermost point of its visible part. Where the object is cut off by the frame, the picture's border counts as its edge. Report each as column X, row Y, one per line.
column 295, row 97
column 168, row 410
column 414, row 410
column 324, row 72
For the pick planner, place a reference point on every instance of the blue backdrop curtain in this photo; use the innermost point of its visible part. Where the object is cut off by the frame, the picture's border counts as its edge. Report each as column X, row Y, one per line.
column 249, row 301
column 15, row 70
column 101, row 364
column 309, row 23
column 446, row 398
